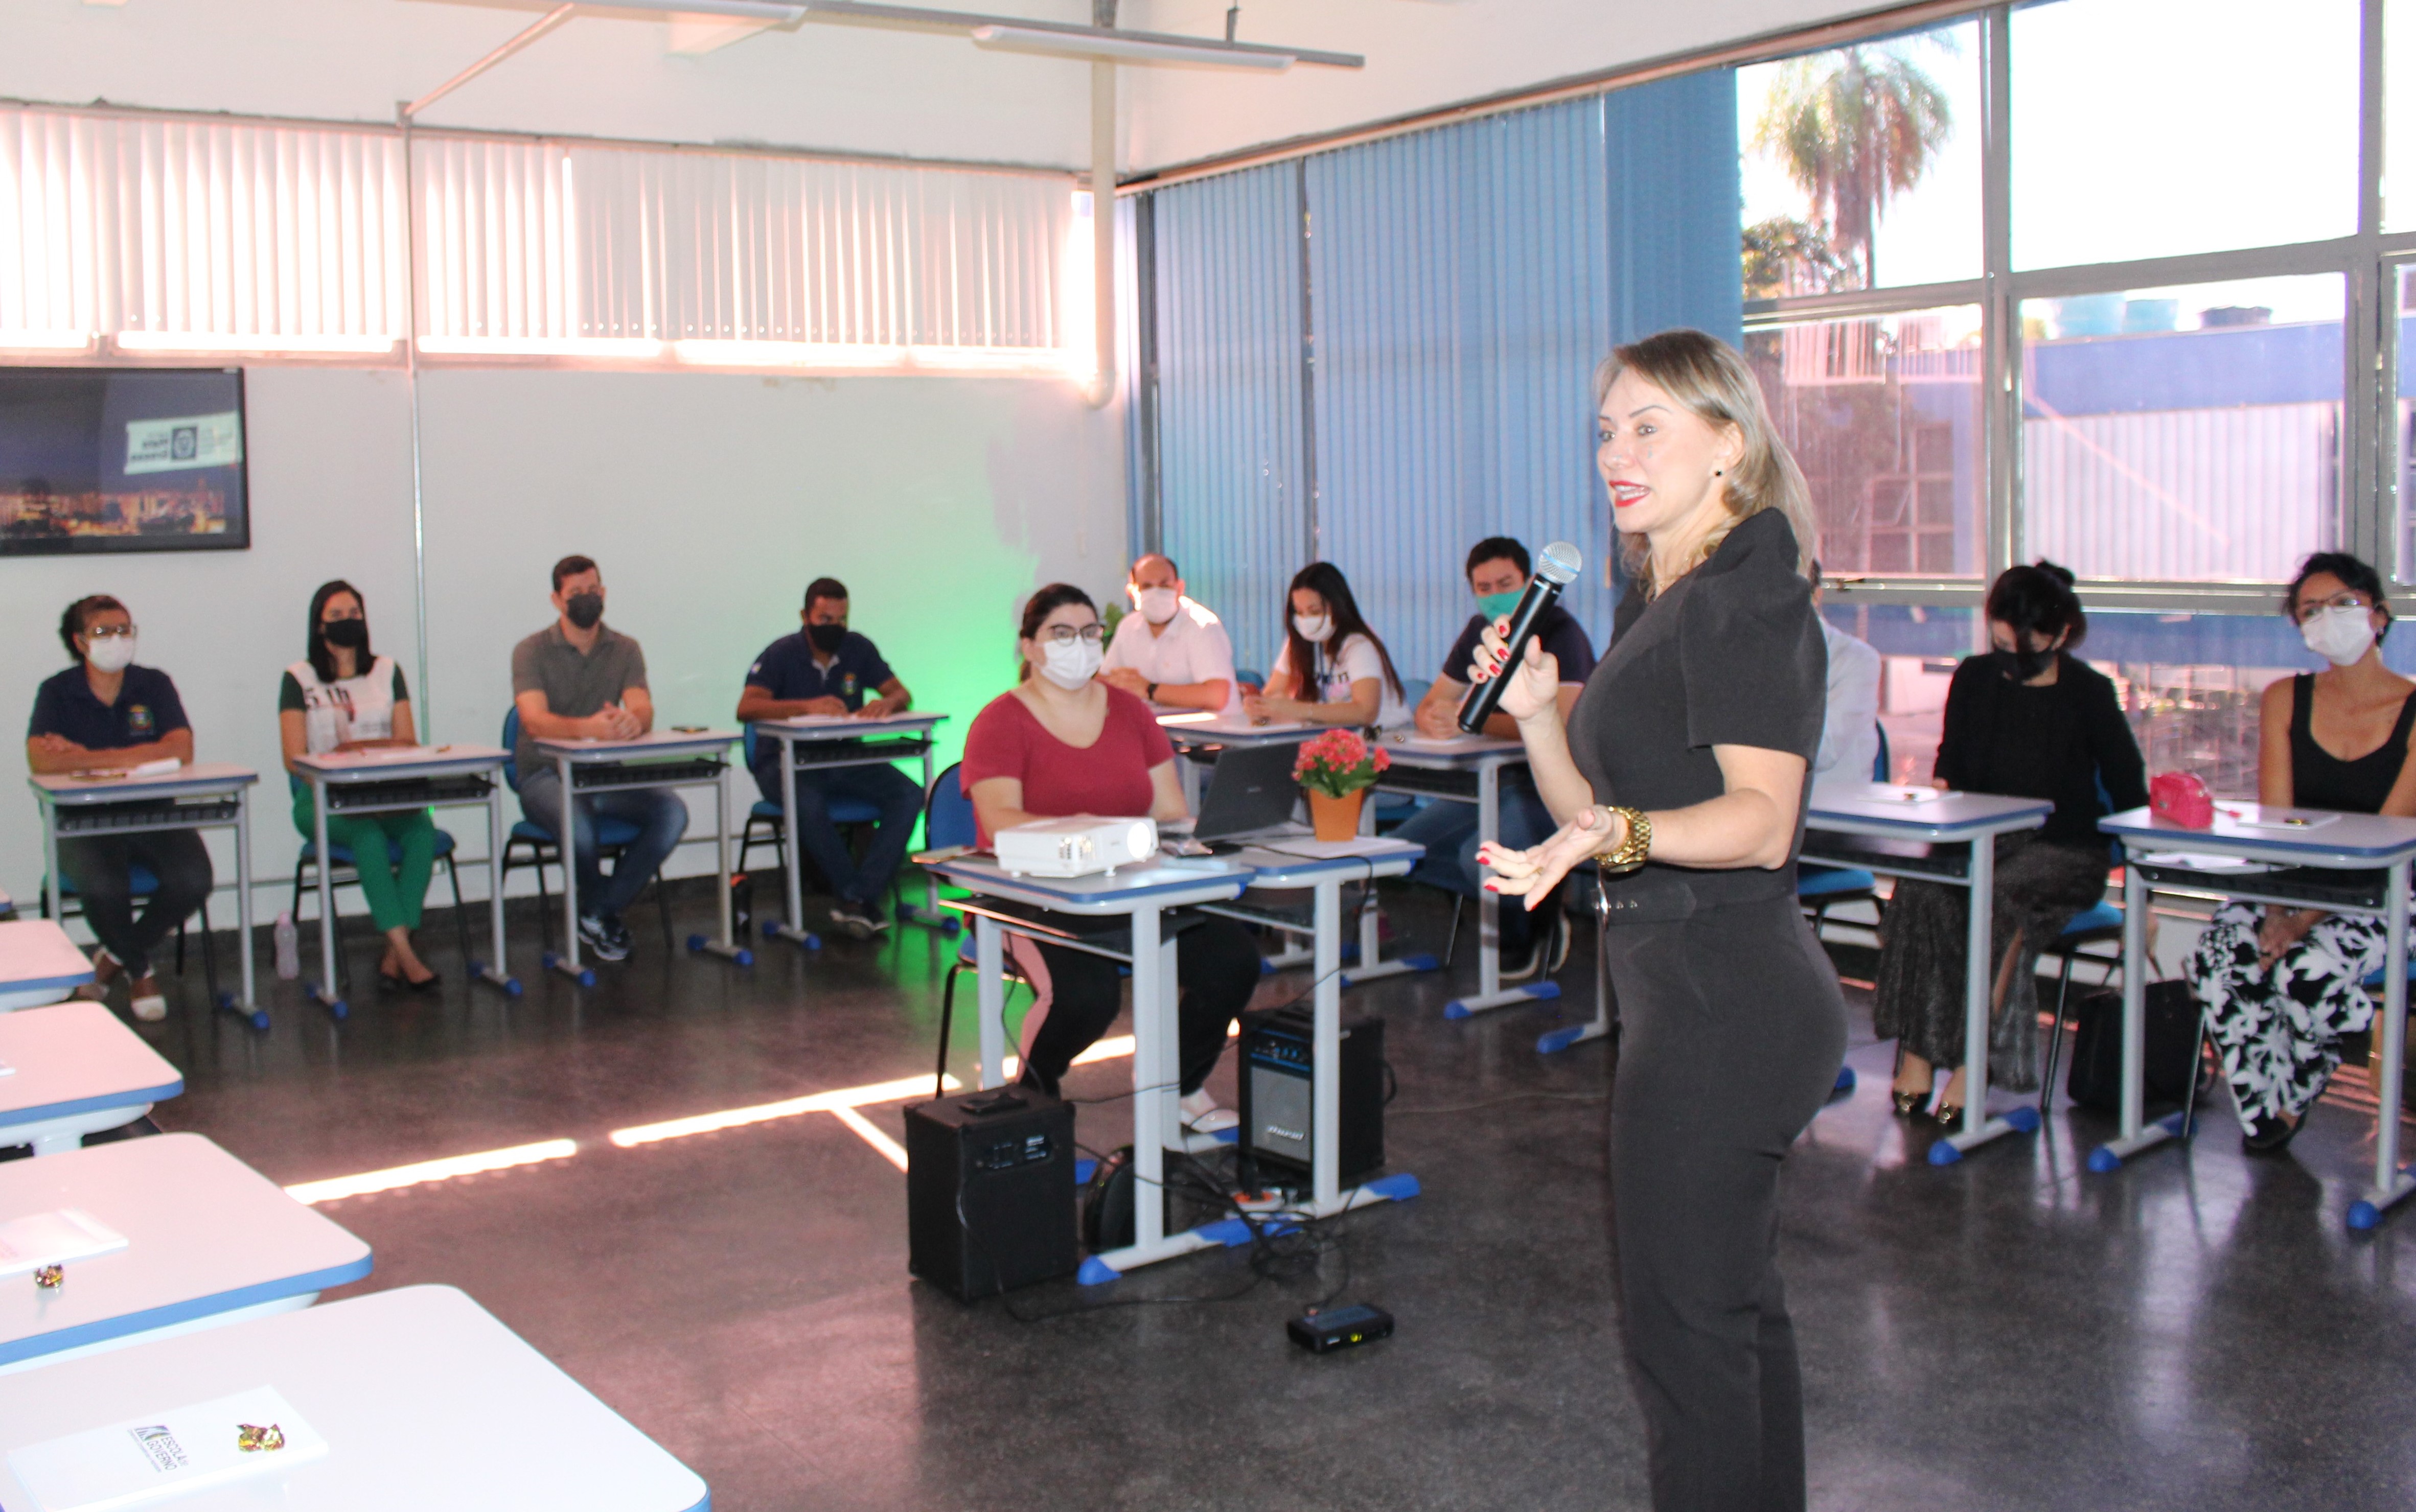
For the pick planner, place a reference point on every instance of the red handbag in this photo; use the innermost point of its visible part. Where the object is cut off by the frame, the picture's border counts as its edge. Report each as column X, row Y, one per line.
column 2181, row 798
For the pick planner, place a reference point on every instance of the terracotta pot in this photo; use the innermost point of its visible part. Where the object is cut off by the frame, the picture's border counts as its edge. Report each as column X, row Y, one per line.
column 1335, row 819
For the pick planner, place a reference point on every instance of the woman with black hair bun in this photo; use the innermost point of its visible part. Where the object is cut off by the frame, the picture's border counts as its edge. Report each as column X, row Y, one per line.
column 2025, row 720
column 2281, row 986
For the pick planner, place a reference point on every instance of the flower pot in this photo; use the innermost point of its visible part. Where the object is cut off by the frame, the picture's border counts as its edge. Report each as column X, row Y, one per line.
column 1335, row 819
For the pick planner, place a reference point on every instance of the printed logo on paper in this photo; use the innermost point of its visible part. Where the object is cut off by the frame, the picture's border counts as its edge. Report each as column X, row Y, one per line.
column 184, row 441
column 160, row 1447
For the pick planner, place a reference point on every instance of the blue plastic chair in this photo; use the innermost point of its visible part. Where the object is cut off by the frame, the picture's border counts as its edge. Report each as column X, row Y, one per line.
column 1819, row 889
column 613, row 837
column 307, row 859
column 774, row 829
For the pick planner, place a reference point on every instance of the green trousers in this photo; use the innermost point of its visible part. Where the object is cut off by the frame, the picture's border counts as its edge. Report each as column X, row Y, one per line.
column 394, row 889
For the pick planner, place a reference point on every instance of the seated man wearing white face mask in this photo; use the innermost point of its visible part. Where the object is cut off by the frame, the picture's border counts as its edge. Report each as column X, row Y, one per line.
column 1171, row 649
column 106, row 714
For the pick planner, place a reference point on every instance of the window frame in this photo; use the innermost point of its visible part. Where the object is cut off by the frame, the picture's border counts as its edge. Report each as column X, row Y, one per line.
column 2369, row 520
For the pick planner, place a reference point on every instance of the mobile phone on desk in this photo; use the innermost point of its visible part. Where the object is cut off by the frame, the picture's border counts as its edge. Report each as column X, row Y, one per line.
column 687, row 730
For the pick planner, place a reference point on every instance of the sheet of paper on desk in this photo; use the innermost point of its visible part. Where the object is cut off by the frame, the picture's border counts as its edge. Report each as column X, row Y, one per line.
column 164, row 1454
column 2201, row 862
column 53, row 1238
column 1428, row 743
column 1326, row 850
column 818, row 720
column 2280, row 821
column 1892, row 793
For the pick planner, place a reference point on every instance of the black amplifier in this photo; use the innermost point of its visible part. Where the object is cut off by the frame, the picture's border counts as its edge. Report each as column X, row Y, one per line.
column 989, row 1190
column 1278, row 1102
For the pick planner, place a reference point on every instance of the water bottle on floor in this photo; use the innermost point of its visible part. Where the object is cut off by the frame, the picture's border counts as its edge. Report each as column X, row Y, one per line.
column 289, row 947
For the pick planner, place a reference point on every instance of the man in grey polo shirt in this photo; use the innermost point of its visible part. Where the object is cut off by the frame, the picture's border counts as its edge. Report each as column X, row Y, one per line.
column 578, row 679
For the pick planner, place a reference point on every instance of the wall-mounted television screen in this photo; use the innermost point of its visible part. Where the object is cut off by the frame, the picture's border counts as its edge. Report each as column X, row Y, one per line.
column 122, row 460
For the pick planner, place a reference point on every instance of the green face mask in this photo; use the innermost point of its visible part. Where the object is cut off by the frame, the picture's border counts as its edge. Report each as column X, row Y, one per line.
column 1494, row 606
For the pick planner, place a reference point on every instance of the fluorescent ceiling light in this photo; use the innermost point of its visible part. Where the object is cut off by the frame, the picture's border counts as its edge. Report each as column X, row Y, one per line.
column 743, row 9
column 1027, row 39
column 322, row 346
column 45, row 341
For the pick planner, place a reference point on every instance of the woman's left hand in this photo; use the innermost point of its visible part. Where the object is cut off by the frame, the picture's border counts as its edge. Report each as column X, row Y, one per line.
column 1533, row 873
column 2283, row 928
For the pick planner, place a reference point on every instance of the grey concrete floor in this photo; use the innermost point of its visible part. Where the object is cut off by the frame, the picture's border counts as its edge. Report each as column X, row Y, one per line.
column 2200, row 1332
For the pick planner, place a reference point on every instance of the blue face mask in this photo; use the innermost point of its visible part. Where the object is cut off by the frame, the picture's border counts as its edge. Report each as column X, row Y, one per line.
column 1494, row 606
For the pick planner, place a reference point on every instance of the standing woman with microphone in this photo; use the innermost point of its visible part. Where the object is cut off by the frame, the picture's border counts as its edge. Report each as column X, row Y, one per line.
column 1684, row 766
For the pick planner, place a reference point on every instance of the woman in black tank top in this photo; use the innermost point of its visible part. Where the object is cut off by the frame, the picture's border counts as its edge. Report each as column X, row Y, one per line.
column 2280, row 986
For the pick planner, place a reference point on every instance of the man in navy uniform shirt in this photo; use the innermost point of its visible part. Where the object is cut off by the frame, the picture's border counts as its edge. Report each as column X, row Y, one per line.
column 827, row 668
column 1497, row 569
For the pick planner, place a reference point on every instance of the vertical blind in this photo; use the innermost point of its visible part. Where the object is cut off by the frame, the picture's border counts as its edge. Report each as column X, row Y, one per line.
column 1454, row 362
column 1462, row 284
column 1234, row 472
column 174, row 228
column 159, row 233
column 581, row 244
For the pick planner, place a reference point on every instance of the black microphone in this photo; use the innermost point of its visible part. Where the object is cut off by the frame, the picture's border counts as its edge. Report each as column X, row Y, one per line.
column 1555, row 569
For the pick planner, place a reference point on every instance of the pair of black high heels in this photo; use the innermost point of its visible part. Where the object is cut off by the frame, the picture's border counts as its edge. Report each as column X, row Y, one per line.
column 1910, row 1104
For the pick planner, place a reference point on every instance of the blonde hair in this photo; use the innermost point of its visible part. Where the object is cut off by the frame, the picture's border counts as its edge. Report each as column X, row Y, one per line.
column 1711, row 381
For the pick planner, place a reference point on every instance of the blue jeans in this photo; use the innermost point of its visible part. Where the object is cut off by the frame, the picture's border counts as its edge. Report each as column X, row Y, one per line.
column 660, row 816
column 886, row 788
column 1448, row 831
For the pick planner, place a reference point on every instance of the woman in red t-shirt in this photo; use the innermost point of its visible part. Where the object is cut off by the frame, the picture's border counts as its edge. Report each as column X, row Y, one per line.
column 1064, row 743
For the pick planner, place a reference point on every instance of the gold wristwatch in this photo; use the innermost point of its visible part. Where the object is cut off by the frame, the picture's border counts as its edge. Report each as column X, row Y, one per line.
column 1630, row 852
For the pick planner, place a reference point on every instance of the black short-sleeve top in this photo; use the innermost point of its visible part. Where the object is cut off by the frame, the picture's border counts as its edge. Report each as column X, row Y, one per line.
column 1730, row 654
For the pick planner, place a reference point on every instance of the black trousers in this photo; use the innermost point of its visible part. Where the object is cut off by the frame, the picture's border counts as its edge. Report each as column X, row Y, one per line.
column 101, row 867
column 1216, row 968
column 1732, row 1032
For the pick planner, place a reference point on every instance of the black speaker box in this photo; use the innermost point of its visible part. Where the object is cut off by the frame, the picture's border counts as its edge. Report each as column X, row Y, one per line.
column 989, row 1192
column 1278, row 1103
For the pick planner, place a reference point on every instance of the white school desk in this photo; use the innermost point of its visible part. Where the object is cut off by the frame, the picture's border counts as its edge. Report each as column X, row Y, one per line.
column 1901, row 837
column 2342, row 842
column 1467, row 769
column 38, row 964
column 76, row 1069
column 425, row 1399
column 209, row 1240
column 203, row 796
column 402, row 778
column 1195, row 734
column 665, row 758
column 1142, row 894
column 821, row 742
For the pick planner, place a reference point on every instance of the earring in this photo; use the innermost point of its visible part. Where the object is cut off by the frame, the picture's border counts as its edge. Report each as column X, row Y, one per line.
column 1719, row 472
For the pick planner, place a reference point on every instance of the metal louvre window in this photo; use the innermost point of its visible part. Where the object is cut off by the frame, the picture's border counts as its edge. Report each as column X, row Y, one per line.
column 136, row 235
column 2180, row 426
column 169, row 235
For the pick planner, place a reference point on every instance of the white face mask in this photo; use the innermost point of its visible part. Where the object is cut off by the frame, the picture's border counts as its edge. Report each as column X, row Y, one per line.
column 1069, row 664
column 2339, row 636
column 1157, row 605
column 1315, row 629
column 111, row 653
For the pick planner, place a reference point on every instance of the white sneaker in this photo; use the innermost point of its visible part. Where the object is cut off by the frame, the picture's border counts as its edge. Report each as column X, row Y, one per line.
column 150, row 1007
column 1201, row 1116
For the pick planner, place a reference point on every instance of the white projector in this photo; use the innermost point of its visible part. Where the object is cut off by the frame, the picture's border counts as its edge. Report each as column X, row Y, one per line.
column 1075, row 846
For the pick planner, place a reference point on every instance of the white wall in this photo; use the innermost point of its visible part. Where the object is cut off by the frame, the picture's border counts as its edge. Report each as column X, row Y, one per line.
column 838, row 87
column 1420, row 53
column 710, row 501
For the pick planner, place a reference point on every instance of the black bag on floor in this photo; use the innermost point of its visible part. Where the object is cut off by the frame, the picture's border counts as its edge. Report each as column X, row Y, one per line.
column 2096, row 1081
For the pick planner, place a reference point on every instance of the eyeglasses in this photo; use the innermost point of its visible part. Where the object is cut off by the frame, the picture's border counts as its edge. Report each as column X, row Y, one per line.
column 2308, row 609
column 1065, row 635
column 108, row 632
